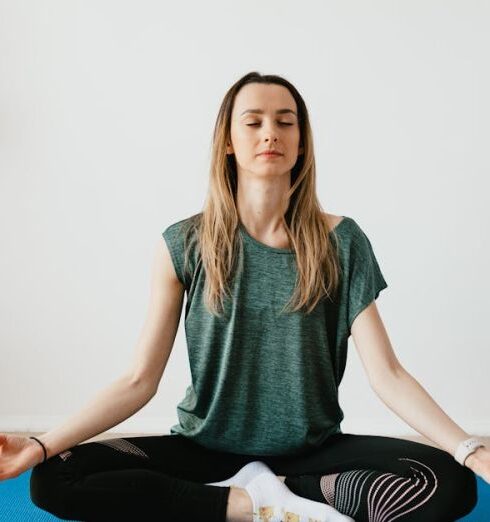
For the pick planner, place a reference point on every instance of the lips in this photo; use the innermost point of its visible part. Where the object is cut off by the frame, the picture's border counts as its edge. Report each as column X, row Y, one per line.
column 270, row 153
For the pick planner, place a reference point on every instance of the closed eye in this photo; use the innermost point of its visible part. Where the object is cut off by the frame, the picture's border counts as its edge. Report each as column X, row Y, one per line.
column 280, row 123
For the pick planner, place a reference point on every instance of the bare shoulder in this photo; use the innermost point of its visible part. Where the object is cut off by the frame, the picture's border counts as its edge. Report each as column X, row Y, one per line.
column 333, row 220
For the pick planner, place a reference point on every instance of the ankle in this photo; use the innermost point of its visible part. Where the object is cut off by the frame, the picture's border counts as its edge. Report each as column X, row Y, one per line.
column 240, row 506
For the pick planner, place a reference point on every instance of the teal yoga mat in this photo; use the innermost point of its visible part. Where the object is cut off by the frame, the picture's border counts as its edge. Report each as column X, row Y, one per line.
column 16, row 504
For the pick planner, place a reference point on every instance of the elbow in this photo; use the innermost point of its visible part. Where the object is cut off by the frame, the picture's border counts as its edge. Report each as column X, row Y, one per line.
column 386, row 376
column 142, row 384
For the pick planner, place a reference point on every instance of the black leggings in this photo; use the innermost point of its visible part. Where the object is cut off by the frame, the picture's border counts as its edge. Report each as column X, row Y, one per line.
column 164, row 477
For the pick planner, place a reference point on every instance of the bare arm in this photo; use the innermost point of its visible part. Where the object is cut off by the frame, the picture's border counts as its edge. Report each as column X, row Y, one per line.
column 109, row 407
column 398, row 389
column 128, row 394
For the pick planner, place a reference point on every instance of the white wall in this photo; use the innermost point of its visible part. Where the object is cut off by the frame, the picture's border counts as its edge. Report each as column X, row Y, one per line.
column 101, row 102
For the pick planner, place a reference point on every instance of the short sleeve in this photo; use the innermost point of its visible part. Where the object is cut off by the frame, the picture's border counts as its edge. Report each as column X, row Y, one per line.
column 175, row 242
column 365, row 278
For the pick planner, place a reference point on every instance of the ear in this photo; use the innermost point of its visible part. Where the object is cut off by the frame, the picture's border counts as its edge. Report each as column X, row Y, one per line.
column 229, row 149
column 301, row 150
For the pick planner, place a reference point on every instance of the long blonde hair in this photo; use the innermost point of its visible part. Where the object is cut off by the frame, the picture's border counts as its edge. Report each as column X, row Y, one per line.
column 306, row 225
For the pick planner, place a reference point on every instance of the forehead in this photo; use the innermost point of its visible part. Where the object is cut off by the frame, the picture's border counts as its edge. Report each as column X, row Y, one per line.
column 268, row 98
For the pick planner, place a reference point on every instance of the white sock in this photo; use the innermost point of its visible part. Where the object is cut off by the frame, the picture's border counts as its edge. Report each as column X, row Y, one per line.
column 273, row 501
column 244, row 475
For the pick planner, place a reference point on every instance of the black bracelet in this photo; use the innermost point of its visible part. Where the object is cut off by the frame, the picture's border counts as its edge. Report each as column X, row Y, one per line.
column 42, row 445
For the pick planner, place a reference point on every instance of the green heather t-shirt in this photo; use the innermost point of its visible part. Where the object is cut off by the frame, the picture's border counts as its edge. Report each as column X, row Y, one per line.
column 265, row 383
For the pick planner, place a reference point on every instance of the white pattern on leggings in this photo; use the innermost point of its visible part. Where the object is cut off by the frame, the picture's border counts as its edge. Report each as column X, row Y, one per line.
column 124, row 446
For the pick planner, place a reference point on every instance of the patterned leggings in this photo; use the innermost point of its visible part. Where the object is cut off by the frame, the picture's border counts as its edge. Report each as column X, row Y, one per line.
column 163, row 477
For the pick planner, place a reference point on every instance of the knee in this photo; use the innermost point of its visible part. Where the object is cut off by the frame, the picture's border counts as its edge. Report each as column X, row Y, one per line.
column 465, row 485
column 455, row 488
column 459, row 488
column 44, row 487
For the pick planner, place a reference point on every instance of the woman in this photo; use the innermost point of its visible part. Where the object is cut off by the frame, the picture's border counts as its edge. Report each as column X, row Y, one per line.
column 274, row 288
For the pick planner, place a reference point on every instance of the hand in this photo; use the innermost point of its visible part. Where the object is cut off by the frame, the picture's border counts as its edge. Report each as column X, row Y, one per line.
column 479, row 462
column 18, row 454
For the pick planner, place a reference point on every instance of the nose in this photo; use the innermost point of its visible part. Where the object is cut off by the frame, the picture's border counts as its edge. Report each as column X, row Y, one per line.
column 269, row 133
column 270, row 137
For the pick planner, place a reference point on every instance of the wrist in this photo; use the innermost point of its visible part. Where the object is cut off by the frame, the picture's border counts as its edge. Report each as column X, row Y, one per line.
column 466, row 448
column 473, row 458
column 48, row 445
column 37, row 451
column 42, row 449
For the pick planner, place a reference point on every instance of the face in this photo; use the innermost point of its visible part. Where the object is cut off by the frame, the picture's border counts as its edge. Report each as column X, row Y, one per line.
column 254, row 132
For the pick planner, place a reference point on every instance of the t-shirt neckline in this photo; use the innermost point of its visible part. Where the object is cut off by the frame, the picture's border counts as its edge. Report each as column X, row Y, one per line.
column 289, row 251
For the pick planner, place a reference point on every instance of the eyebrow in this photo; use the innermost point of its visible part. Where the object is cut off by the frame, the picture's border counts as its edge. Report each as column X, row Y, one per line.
column 260, row 111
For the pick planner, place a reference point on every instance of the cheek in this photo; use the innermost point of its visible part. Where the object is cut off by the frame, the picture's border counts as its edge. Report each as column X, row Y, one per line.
column 294, row 137
column 293, row 143
column 241, row 137
column 246, row 145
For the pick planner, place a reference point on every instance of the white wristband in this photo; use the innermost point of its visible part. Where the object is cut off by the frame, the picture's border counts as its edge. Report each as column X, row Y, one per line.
column 467, row 447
